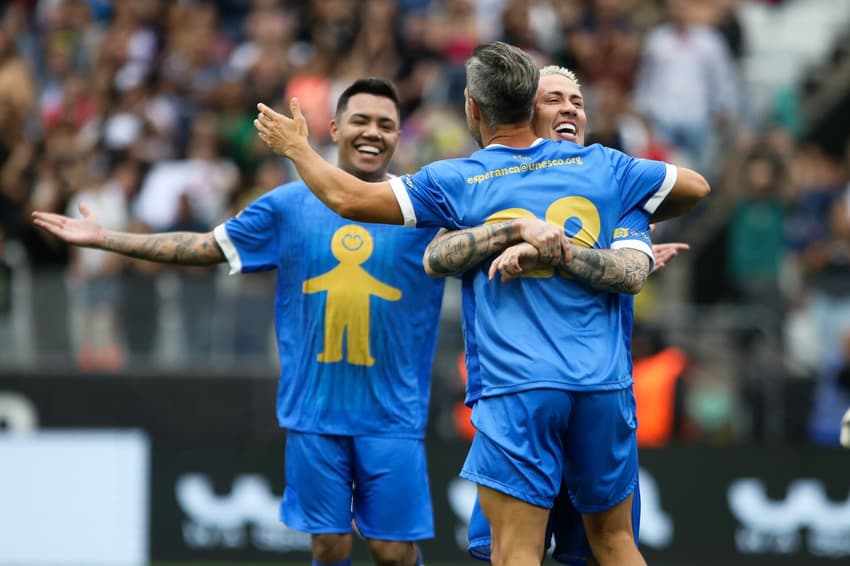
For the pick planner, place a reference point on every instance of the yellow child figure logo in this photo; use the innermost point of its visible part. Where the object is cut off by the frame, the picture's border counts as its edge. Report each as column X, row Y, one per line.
column 349, row 288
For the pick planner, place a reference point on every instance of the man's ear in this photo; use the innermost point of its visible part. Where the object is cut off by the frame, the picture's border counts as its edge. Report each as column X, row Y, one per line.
column 474, row 109
column 334, row 132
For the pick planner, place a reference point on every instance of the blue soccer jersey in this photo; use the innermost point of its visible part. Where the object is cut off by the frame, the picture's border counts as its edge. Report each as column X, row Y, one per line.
column 356, row 316
column 543, row 330
column 635, row 228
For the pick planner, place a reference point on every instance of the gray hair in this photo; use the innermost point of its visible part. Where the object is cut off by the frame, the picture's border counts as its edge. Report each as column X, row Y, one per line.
column 558, row 70
column 502, row 80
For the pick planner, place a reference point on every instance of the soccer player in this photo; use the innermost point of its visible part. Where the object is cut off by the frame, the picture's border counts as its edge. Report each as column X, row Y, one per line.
column 558, row 114
column 552, row 378
column 356, row 319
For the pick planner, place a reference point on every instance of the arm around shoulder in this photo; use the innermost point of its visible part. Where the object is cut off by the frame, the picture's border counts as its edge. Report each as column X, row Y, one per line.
column 688, row 190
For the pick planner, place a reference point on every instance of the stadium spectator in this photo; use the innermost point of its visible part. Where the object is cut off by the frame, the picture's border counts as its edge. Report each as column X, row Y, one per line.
column 356, row 337
column 140, row 305
column 17, row 159
column 16, row 81
column 819, row 222
column 757, row 244
column 687, row 85
column 659, row 371
column 94, row 275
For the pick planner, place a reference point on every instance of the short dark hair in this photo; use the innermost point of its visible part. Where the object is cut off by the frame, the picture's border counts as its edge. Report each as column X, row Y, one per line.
column 502, row 80
column 369, row 85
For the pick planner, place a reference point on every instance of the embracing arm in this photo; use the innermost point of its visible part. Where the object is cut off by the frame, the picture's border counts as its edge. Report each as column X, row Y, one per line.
column 690, row 188
column 622, row 270
column 342, row 192
column 452, row 253
column 184, row 248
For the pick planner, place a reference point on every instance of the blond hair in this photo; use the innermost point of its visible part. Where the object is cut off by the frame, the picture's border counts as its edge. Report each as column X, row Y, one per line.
column 558, row 70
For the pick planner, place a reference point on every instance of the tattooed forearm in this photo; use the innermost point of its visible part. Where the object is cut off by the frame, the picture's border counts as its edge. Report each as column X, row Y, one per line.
column 452, row 253
column 617, row 271
column 184, row 248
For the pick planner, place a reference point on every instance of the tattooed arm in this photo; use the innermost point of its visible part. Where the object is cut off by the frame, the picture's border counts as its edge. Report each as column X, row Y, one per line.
column 452, row 253
column 623, row 270
column 185, row 248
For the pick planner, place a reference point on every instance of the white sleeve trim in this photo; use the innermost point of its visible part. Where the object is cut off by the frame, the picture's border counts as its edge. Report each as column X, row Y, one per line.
column 638, row 245
column 404, row 201
column 666, row 186
column 230, row 253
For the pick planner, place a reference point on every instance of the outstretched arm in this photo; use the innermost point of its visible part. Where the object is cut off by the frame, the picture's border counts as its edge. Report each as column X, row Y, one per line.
column 453, row 253
column 184, row 248
column 342, row 192
column 623, row 270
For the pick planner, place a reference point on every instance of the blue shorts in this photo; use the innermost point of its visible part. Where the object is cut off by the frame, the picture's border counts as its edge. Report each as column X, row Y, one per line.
column 380, row 482
column 532, row 442
column 565, row 529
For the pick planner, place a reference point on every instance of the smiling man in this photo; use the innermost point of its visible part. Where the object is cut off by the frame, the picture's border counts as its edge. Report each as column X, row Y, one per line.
column 559, row 106
column 356, row 319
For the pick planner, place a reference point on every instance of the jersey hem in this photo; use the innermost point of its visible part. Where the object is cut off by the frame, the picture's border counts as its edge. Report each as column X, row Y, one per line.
column 605, row 506
column 479, row 549
column 504, row 390
column 385, row 535
column 347, row 432
column 507, row 490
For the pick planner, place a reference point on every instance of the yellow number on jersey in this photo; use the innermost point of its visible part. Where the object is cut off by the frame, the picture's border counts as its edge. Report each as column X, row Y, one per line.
column 559, row 213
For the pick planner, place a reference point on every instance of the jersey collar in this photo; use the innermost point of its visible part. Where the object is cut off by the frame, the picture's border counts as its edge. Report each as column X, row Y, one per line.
column 495, row 145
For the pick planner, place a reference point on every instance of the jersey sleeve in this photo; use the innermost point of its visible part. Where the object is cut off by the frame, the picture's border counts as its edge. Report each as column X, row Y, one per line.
column 644, row 183
column 431, row 197
column 250, row 240
column 632, row 232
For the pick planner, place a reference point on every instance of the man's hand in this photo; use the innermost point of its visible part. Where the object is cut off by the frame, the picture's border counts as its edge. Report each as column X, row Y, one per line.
column 282, row 134
column 845, row 430
column 549, row 241
column 665, row 252
column 85, row 231
column 515, row 261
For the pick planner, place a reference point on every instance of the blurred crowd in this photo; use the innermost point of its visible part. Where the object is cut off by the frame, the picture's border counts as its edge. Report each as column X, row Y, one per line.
column 143, row 110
